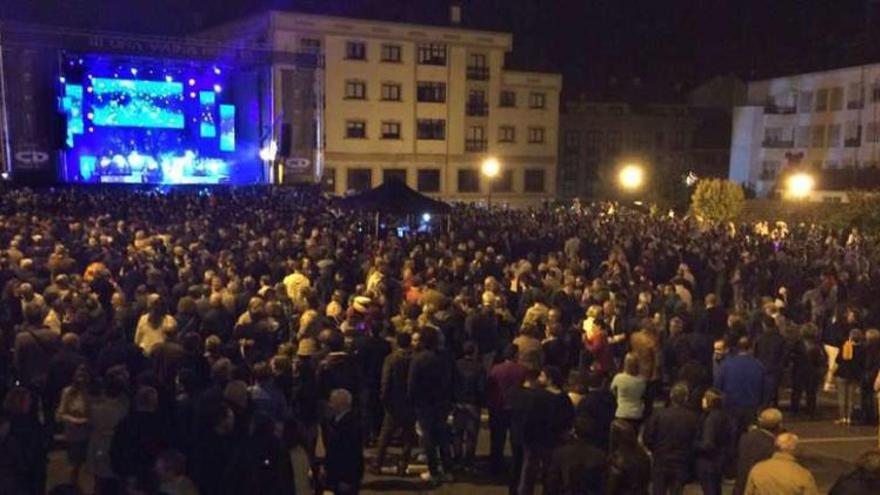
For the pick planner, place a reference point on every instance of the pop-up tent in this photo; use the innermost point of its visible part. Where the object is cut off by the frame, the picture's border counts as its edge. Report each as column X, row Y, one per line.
column 394, row 198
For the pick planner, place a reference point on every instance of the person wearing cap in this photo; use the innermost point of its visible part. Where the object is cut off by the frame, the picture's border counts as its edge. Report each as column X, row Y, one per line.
column 781, row 474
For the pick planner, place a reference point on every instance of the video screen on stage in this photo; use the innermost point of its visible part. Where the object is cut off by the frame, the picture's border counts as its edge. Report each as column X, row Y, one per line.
column 137, row 120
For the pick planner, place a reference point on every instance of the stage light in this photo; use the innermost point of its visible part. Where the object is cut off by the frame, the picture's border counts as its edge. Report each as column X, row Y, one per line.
column 218, row 88
column 192, row 82
column 192, row 94
column 5, row 175
column 217, row 70
column 426, row 217
column 134, row 71
column 116, row 74
column 91, row 129
column 800, row 185
column 62, row 79
column 631, row 177
column 169, row 79
column 89, row 89
column 269, row 153
column 90, row 115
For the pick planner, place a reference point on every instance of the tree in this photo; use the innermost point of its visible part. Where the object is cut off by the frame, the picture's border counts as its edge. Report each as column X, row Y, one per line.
column 717, row 200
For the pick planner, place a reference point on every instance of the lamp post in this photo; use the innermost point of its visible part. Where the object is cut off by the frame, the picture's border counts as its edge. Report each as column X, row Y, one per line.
column 800, row 185
column 490, row 168
column 631, row 177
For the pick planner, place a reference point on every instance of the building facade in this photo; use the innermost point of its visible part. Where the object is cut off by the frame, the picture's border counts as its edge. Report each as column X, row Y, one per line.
column 420, row 103
column 671, row 140
column 825, row 122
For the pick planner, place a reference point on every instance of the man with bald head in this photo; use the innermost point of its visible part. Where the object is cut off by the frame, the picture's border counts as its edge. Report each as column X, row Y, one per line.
column 781, row 474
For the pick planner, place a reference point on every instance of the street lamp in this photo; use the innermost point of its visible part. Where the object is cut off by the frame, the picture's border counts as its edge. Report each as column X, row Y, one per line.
column 631, row 177
column 800, row 185
column 491, row 168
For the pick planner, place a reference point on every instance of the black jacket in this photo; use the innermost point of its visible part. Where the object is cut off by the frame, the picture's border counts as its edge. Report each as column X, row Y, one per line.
column 576, row 468
column 139, row 439
column 856, row 483
column 395, row 373
column 807, row 359
column 770, row 350
column 755, row 445
column 714, row 440
column 338, row 370
column 599, row 405
column 851, row 369
column 469, row 382
column 344, row 461
column 629, row 472
column 670, row 435
column 430, row 380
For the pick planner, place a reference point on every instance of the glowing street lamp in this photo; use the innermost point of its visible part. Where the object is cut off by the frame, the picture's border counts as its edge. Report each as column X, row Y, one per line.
column 631, row 177
column 269, row 152
column 491, row 167
column 800, row 185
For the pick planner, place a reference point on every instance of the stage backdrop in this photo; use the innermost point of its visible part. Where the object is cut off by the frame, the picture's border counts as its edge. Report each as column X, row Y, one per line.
column 131, row 119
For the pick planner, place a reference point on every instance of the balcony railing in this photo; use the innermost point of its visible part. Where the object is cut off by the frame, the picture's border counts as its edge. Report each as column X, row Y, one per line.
column 477, row 109
column 475, row 145
column 478, row 73
column 777, row 143
column 779, row 110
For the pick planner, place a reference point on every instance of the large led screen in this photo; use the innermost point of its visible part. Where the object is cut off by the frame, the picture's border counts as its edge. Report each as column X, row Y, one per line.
column 142, row 120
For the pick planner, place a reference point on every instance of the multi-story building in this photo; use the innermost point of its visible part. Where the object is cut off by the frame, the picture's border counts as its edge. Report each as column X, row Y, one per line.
column 422, row 103
column 821, row 121
column 672, row 140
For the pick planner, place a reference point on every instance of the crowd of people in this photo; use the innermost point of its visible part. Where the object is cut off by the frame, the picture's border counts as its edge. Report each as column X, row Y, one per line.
column 263, row 341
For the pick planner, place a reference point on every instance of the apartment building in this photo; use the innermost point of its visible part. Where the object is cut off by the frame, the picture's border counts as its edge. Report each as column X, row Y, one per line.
column 826, row 122
column 424, row 104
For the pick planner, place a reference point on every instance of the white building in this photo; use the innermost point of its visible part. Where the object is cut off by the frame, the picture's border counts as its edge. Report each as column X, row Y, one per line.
column 422, row 103
column 820, row 121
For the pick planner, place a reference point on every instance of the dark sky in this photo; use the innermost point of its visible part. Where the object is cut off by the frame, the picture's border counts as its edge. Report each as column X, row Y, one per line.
column 662, row 42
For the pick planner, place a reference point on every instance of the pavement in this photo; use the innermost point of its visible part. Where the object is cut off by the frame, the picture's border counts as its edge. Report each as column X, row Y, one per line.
column 827, row 450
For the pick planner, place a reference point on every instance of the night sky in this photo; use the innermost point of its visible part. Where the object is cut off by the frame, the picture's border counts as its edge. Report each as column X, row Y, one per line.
column 664, row 43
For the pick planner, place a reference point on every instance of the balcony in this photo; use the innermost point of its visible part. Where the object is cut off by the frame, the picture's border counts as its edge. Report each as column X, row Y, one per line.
column 779, row 110
column 475, row 145
column 477, row 109
column 777, row 143
column 478, row 73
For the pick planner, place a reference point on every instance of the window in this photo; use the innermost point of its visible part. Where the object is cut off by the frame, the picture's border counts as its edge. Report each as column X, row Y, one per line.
column 507, row 99
column 769, row 169
column 355, row 50
column 872, row 132
column 537, row 100
column 855, row 96
column 818, row 139
column 390, row 130
column 803, row 136
column 477, row 68
column 328, row 180
column 475, row 140
column 360, row 179
column 428, row 180
column 834, row 136
column 390, row 92
column 355, row 129
column 852, row 135
column 615, row 110
column 391, row 53
column 836, row 102
column 536, row 135
column 503, row 183
column 593, row 141
column 432, row 54
column 534, row 182
column 355, row 90
column 507, row 134
column 394, row 174
column 468, row 180
column 821, row 100
column 875, row 92
column 431, row 92
column 613, row 141
column 805, row 101
column 572, row 139
column 310, row 45
column 431, row 129
column 476, row 104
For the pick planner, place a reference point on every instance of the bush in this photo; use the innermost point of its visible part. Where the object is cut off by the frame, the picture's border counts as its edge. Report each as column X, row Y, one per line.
column 862, row 211
column 717, row 200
